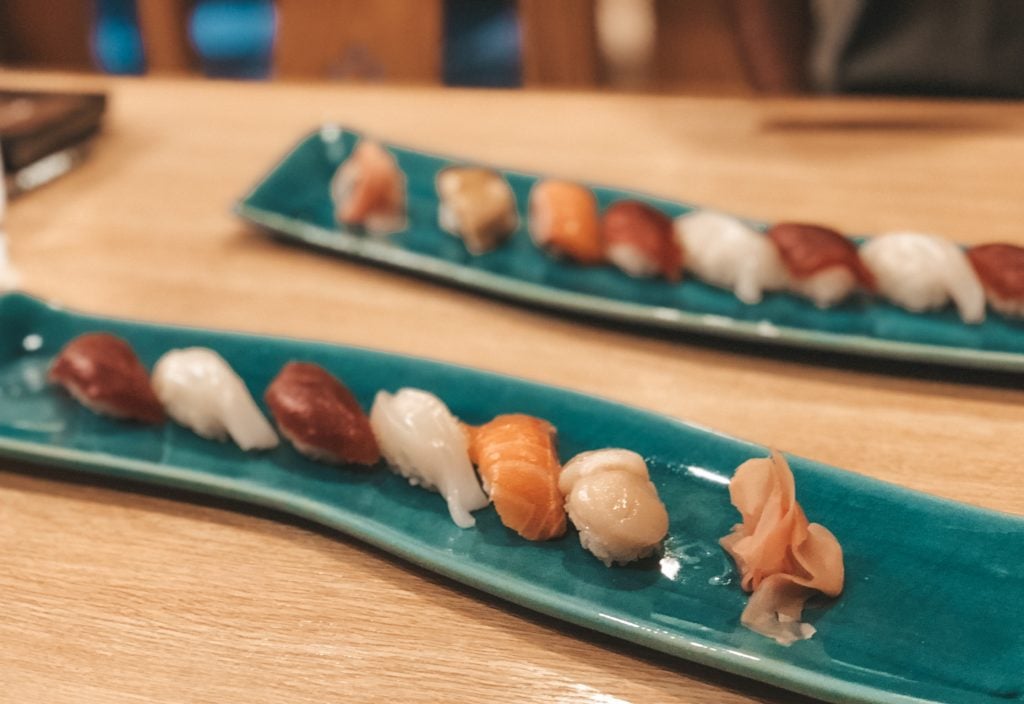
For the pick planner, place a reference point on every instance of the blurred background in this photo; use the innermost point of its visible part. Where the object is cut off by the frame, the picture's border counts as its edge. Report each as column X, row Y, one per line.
column 917, row 47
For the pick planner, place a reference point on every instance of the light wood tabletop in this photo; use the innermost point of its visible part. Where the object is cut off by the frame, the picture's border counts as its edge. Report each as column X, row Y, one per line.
column 111, row 595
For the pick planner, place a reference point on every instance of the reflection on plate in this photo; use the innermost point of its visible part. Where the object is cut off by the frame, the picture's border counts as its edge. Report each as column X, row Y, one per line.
column 930, row 611
column 293, row 201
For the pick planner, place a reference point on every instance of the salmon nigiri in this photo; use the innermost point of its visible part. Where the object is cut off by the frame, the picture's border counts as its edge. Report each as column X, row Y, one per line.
column 516, row 457
column 563, row 221
column 782, row 558
column 369, row 189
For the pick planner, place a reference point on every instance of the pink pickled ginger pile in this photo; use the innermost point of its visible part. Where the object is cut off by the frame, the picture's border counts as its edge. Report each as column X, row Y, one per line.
column 781, row 557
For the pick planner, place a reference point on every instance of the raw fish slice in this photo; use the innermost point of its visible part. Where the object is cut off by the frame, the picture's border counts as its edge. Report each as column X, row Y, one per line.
column 781, row 557
column 477, row 205
column 563, row 221
column 1001, row 270
column 515, row 455
column 369, row 190
column 614, row 505
column 423, row 441
column 102, row 372
column 201, row 391
column 724, row 252
column 320, row 416
column 922, row 272
column 639, row 240
column 822, row 264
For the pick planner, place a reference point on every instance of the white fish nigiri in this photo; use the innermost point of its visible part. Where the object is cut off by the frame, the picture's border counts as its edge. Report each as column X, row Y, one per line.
column 421, row 439
column 613, row 504
column 725, row 252
column 200, row 390
column 923, row 272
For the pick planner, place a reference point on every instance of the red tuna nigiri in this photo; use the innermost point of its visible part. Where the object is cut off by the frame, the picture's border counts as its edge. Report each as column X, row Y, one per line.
column 320, row 416
column 822, row 264
column 639, row 239
column 104, row 374
column 1001, row 270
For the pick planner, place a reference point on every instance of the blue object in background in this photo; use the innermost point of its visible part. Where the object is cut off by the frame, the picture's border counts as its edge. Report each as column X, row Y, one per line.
column 116, row 40
column 481, row 44
column 234, row 38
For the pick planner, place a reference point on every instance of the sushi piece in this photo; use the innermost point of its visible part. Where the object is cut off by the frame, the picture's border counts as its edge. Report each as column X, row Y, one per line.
column 614, row 505
column 639, row 240
column 476, row 205
column 782, row 558
column 102, row 372
column 1000, row 267
column 923, row 272
column 725, row 252
column 320, row 416
column 563, row 221
column 369, row 190
column 822, row 264
column 421, row 440
column 201, row 391
column 515, row 455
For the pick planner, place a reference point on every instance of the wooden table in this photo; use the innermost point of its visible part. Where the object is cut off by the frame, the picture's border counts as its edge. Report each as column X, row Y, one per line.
column 114, row 596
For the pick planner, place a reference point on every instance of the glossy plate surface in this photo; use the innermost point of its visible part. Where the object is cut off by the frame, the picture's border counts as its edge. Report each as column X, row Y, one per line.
column 293, row 201
column 931, row 610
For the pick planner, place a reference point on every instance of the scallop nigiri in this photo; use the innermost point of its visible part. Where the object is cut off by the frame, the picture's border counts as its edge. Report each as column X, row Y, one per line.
column 822, row 264
column 369, row 189
column 477, row 205
column 103, row 373
column 421, row 439
column 1000, row 267
column 725, row 252
column 563, row 221
column 782, row 557
column 201, row 391
column 614, row 505
column 515, row 455
column 638, row 239
column 320, row 416
column 923, row 272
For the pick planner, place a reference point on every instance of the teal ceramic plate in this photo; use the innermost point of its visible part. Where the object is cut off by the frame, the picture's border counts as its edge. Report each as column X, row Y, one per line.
column 293, row 201
column 931, row 610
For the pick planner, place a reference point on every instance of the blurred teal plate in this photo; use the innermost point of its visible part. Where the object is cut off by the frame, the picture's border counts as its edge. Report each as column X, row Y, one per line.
column 931, row 611
column 294, row 202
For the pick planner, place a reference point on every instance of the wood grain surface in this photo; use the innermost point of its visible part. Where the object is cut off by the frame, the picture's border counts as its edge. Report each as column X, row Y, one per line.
column 111, row 594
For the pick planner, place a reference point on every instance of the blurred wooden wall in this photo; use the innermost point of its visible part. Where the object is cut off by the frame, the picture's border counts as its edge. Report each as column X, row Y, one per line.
column 398, row 40
column 48, row 33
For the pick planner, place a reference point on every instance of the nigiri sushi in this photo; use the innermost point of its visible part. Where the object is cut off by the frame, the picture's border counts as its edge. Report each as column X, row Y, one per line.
column 369, row 189
column 515, row 455
column 725, row 252
column 614, row 505
column 822, row 264
column 1000, row 267
column 923, row 272
column 320, row 416
column 421, row 439
column 563, row 221
column 782, row 557
column 103, row 373
column 638, row 239
column 477, row 205
column 201, row 391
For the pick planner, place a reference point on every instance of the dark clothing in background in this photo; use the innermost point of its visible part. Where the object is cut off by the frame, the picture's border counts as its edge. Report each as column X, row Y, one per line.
column 919, row 47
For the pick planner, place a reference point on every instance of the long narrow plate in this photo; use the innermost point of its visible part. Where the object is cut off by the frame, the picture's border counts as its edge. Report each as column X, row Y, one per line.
column 293, row 201
column 931, row 611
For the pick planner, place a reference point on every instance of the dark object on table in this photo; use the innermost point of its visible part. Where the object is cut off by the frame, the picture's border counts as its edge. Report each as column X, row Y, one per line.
column 34, row 126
